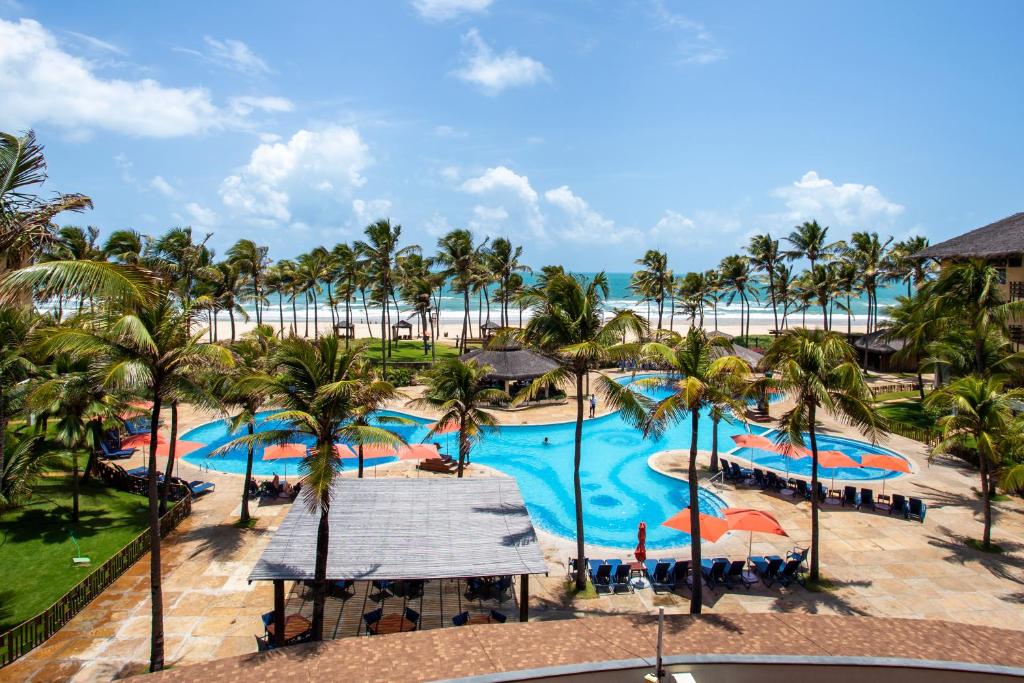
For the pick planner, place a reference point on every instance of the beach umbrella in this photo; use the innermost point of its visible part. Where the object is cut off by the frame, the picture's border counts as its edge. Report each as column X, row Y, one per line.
column 419, row 451
column 343, row 450
column 142, row 441
column 181, row 448
column 748, row 519
column 712, row 528
column 641, row 544
column 284, row 450
column 378, row 450
column 448, row 427
column 882, row 461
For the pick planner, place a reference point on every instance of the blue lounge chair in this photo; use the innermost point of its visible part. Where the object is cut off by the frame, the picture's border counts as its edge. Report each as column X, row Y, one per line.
column 850, row 497
column 767, row 569
column 498, row 616
column 614, row 564
column 798, row 554
column 198, row 487
column 371, row 618
column 660, row 575
column 116, row 454
column 760, row 480
column 620, row 580
column 802, row 489
column 742, row 472
column 460, row 619
column 899, row 505
column 268, row 619
column 726, row 469
column 790, row 573
column 822, row 493
column 737, row 573
column 867, row 499
column 681, row 574
column 603, row 577
column 412, row 615
column 714, row 571
column 916, row 509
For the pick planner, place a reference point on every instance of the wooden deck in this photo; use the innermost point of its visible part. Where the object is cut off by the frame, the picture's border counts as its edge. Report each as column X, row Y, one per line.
column 442, row 599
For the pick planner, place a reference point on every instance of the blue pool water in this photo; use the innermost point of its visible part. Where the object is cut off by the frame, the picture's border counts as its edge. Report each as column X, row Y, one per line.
column 619, row 488
column 801, row 467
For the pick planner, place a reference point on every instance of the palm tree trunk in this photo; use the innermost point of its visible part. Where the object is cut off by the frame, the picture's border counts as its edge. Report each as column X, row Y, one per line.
column 986, row 497
column 330, row 304
column 280, row 313
column 661, row 310
column 74, row 485
column 696, row 594
column 366, row 313
column 320, row 572
column 714, row 444
column 306, row 301
column 359, row 475
column 295, row 318
column 581, row 559
column 463, row 446
column 771, row 294
column 170, row 459
column 383, row 344
column 231, row 316
column 815, row 502
column 244, row 519
column 156, row 598
column 824, row 313
column 465, row 318
column 256, row 298
column 316, row 317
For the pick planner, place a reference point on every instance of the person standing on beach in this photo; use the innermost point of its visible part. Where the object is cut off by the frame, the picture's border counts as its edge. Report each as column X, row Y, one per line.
column 593, row 405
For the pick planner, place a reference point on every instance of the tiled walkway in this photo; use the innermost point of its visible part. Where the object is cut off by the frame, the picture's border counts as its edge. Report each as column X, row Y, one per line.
column 882, row 566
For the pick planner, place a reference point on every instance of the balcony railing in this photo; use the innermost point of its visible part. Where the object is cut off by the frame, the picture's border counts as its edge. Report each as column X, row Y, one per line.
column 1016, row 290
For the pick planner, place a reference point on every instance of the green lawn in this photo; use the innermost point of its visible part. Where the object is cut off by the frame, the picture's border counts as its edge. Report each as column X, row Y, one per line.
column 36, row 549
column 888, row 396
column 410, row 351
column 761, row 341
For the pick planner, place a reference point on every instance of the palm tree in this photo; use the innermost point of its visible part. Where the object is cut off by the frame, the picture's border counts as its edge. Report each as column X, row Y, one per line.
column 808, row 241
column 318, row 384
column 912, row 322
column 346, row 273
column 868, row 253
column 906, row 265
column 175, row 255
column 785, row 290
column 380, row 251
column 311, row 270
column 765, row 258
column 147, row 350
column 17, row 327
column 979, row 411
column 703, row 383
column 251, row 261
column 503, row 262
column 224, row 281
column 124, row 246
column 274, row 283
column 969, row 294
column 417, row 286
column 819, row 370
column 458, row 391
column 566, row 322
column 735, row 276
column 654, row 279
column 458, row 257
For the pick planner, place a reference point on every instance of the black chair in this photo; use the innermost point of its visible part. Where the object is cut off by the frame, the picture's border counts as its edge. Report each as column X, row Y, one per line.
column 681, row 574
column 759, row 479
column 850, row 496
column 803, row 489
column 621, row 578
column 867, row 499
column 790, row 572
column 916, row 509
column 899, row 505
column 603, row 577
column 767, row 568
column 460, row 619
column 822, row 493
column 737, row 573
column 726, row 469
column 498, row 617
column 412, row 615
column 371, row 618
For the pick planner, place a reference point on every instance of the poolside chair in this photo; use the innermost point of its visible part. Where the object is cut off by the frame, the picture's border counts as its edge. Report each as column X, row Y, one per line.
column 803, row 489
column 342, row 590
column 498, row 616
column 714, row 571
column 916, row 509
column 774, row 483
column 268, row 619
column 798, row 554
column 741, row 472
column 371, row 618
column 593, row 565
column 681, row 574
column 737, row 573
column 726, row 469
column 621, row 579
column 119, row 454
column 759, row 479
column 850, row 497
column 766, row 568
column 198, row 487
column 661, row 577
column 571, row 566
column 899, row 505
column 412, row 615
column 502, row 587
column 460, row 619
column 790, row 573
column 867, row 499
column 822, row 493
column 603, row 577
column 383, row 589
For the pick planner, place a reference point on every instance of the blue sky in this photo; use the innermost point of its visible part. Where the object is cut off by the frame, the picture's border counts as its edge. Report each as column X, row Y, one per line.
column 587, row 131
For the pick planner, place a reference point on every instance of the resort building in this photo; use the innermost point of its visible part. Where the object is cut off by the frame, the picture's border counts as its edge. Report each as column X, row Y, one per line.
column 513, row 368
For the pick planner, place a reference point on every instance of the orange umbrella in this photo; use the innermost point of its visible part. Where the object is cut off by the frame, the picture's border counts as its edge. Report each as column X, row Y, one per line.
column 419, row 451
column 747, row 519
column 711, row 528
column 284, row 450
column 142, row 441
column 881, row 461
column 832, row 459
column 180, row 448
column 641, row 545
column 446, row 428
column 378, row 450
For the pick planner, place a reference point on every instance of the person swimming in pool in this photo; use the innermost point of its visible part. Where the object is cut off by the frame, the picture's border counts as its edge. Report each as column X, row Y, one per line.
column 547, row 441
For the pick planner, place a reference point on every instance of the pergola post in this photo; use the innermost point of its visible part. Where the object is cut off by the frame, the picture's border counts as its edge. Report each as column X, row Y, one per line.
column 278, row 612
column 524, row 597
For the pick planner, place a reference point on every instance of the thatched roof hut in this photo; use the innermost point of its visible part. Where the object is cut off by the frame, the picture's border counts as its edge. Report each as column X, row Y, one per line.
column 1003, row 238
column 879, row 342
column 512, row 363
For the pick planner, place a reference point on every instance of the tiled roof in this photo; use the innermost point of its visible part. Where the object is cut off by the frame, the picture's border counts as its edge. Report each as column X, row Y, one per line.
column 477, row 650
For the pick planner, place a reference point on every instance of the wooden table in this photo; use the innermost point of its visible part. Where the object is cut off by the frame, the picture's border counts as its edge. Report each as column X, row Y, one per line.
column 480, row 619
column 294, row 626
column 637, row 569
column 392, row 623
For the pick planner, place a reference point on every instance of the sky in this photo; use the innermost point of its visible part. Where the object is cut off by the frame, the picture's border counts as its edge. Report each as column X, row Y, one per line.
column 587, row 131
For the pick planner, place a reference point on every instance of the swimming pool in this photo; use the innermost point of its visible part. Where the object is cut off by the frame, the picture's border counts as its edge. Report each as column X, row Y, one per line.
column 619, row 488
column 801, row 467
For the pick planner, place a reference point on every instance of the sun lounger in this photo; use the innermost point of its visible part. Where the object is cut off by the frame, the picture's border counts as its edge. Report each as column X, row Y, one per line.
column 713, row 571
column 798, row 554
column 884, row 503
column 498, row 617
column 620, row 580
column 118, row 454
column 439, row 466
column 767, row 569
column 760, row 480
column 603, row 577
column 899, row 505
column 460, row 619
column 726, row 469
column 593, row 565
column 803, row 489
column 371, row 618
column 741, row 472
column 737, row 573
column 835, row 497
column 660, row 575
column 681, row 575
column 850, row 497
column 822, row 493
column 867, row 499
column 198, row 487
column 571, row 566
column 916, row 509
column 790, row 572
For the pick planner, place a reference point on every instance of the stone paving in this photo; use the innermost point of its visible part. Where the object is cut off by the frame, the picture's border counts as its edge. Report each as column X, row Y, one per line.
column 881, row 566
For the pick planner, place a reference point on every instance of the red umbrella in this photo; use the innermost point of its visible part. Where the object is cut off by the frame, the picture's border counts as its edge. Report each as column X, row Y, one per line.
column 881, row 461
column 343, row 450
column 447, row 428
column 747, row 519
column 711, row 528
column 284, row 450
column 378, row 450
column 419, row 451
column 142, row 441
column 641, row 546
column 180, row 448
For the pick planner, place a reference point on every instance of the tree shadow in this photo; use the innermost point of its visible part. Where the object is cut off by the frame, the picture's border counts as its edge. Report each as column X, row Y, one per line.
column 814, row 602
column 51, row 525
column 1006, row 565
column 222, row 540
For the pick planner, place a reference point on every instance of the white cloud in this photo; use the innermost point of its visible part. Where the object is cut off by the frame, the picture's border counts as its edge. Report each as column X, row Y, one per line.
column 488, row 220
column 125, row 167
column 451, row 173
column 97, row 43
column 280, row 175
column 494, row 73
column 244, row 105
column 368, row 211
column 439, row 10
column 503, row 181
column 230, row 54
column 44, row 84
column 437, row 225
column 673, row 227
column 269, row 137
column 848, row 204
column 695, row 44
column 202, row 217
column 163, row 187
column 584, row 223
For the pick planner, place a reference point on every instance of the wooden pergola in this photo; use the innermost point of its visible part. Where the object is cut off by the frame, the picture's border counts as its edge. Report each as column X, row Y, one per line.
column 396, row 529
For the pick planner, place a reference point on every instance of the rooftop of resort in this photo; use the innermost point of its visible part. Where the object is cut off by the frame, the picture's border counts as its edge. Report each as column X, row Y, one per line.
column 1004, row 237
column 512, row 362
